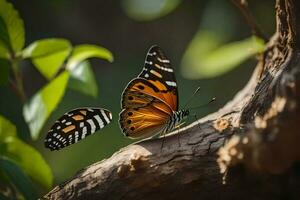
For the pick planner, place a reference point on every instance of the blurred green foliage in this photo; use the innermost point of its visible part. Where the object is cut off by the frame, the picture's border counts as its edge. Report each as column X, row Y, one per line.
column 209, row 54
column 83, row 52
column 82, row 77
column 207, row 58
column 211, row 36
column 55, row 59
column 144, row 10
column 37, row 110
column 48, row 55
column 4, row 72
column 17, row 160
column 20, row 180
column 12, row 29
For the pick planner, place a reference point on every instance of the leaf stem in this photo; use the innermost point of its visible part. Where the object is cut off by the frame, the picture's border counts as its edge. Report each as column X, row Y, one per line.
column 242, row 5
column 18, row 79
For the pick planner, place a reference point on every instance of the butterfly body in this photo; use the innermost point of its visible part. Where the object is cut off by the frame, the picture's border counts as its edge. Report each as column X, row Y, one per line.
column 150, row 101
column 176, row 119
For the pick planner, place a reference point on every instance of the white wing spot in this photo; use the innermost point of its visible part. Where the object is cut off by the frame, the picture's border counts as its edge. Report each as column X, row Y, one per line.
column 84, row 131
column 81, row 124
column 164, row 68
column 167, row 69
column 92, row 124
column 105, row 116
column 110, row 116
column 171, row 83
column 162, row 60
column 100, row 122
column 76, row 134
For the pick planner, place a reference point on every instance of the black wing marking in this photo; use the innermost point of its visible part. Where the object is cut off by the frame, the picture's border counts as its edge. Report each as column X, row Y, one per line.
column 76, row 125
column 157, row 67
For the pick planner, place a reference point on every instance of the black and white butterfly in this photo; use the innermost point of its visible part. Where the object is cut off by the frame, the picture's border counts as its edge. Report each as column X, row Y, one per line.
column 76, row 125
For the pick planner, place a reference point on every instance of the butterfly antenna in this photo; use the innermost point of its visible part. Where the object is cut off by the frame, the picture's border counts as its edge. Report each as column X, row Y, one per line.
column 189, row 100
column 212, row 100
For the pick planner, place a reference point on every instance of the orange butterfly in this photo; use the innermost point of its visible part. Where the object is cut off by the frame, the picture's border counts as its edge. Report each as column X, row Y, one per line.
column 150, row 101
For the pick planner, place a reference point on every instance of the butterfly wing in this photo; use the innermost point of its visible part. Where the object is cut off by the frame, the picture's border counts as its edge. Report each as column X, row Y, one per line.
column 76, row 125
column 143, row 115
column 138, row 94
column 149, row 100
column 160, row 76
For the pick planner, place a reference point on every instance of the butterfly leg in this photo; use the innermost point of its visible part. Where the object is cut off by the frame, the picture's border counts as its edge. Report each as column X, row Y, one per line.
column 179, row 125
column 178, row 135
column 196, row 118
column 163, row 141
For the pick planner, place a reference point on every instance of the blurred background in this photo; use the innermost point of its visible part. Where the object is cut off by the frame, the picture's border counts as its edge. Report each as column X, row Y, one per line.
column 187, row 31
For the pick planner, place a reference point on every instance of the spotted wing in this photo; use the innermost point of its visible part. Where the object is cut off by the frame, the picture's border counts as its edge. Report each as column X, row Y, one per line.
column 76, row 125
column 148, row 101
column 159, row 76
column 143, row 115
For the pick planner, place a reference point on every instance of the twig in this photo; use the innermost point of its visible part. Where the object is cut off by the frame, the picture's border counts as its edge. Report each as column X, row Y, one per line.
column 243, row 7
column 18, row 84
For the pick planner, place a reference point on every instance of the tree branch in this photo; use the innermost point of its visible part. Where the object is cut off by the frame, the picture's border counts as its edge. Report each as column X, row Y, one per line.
column 262, row 118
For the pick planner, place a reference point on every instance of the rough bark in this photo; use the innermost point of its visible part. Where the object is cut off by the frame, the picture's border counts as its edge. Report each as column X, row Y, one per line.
column 260, row 124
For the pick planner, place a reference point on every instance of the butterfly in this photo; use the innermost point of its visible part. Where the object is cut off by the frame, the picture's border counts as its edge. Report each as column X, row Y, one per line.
column 150, row 101
column 76, row 125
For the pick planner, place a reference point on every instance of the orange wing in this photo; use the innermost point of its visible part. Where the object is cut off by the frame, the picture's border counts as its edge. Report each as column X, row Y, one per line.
column 159, row 75
column 143, row 115
column 144, row 121
column 148, row 102
column 151, row 89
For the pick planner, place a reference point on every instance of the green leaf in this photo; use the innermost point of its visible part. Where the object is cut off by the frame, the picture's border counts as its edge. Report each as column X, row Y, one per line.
column 46, row 47
column 3, row 51
column 85, row 51
column 145, row 10
column 4, row 40
column 18, row 178
column 82, row 77
column 202, row 44
column 29, row 159
column 42, row 104
column 12, row 27
column 4, row 72
column 48, row 55
column 23, row 154
column 7, row 129
column 201, row 61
